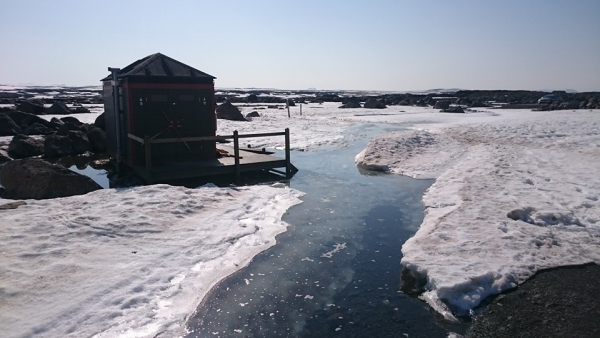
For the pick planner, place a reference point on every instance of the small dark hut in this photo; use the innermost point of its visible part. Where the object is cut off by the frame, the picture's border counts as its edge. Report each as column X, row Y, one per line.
column 159, row 98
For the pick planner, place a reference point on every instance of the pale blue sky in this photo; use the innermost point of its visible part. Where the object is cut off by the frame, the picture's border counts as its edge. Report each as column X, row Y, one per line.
column 361, row 45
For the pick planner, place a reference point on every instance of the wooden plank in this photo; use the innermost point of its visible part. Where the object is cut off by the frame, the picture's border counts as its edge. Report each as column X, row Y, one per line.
column 189, row 139
column 148, row 149
column 236, row 154
column 288, row 168
column 261, row 135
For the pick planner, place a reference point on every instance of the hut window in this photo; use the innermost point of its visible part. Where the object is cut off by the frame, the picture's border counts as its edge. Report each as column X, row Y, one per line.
column 186, row 98
column 159, row 98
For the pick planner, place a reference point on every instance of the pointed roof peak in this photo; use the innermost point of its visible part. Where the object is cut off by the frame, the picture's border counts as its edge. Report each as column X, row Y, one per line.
column 160, row 65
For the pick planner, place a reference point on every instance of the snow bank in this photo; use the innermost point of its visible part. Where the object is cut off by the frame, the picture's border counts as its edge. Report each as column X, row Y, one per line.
column 128, row 263
column 517, row 193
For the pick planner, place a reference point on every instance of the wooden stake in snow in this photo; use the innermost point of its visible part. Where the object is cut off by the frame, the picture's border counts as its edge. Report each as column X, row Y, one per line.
column 300, row 109
column 287, row 105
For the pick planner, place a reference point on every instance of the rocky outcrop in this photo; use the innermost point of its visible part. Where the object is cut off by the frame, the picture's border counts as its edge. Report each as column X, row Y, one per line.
column 38, row 179
column 4, row 157
column 22, row 146
column 8, row 127
column 252, row 114
column 454, row 109
column 31, row 107
column 374, row 104
column 58, row 108
column 351, row 103
column 38, row 129
column 228, row 111
column 442, row 105
column 100, row 122
column 97, row 138
column 24, row 120
column 57, row 146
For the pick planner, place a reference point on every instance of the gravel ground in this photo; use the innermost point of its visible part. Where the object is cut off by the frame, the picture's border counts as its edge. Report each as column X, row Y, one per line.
column 560, row 302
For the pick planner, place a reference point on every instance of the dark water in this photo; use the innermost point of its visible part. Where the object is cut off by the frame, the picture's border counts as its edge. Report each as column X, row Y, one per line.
column 336, row 272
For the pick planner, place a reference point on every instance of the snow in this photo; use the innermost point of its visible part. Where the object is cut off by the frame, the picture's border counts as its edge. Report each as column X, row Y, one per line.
column 129, row 263
column 516, row 191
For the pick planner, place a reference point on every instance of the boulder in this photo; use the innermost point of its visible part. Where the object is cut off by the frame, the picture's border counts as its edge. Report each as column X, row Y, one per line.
column 252, row 98
column 228, row 111
column 374, row 104
column 455, row 109
column 38, row 129
column 97, row 138
column 31, row 107
column 22, row 146
column 4, row 156
column 351, row 104
column 8, row 127
column 291, row 103
column 24, row 120
column 79, row 142
column 100, row 122
column 442, row 105
column 69, row 126
column 252, row 114
column 80, row 110
column 57, row 146
column 71, row 120
column 58, row 108
column 38, row 179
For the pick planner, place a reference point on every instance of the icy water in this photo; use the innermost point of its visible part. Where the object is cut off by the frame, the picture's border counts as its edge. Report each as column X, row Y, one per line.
column 336, row 271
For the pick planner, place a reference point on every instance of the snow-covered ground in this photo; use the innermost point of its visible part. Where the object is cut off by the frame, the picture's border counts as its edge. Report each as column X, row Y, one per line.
column 515, row 191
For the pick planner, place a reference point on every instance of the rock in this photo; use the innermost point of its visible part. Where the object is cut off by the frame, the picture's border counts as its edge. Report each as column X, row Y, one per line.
column 374, row 104
column 69, row 124
column 80, row 110
column 442, row 105
column 38, row 179
column 228, row 111
column 100, row 122
column 4, row 156
column 291, row 103
column 97, row 138
column 38, row 129
column 8, row 127
column 455, row 109
column 79, row 142
column 58, row 108
column 31, row 107
column 57, row 146
column 253, row 114
column 71, row 120
column 12, row 205
column 22, row 146
column 24, row 120
column 252, row 98
column 479, row 104
column 352, row 103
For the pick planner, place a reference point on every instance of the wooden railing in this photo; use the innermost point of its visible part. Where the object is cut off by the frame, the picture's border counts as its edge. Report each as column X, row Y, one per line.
column 148, row 142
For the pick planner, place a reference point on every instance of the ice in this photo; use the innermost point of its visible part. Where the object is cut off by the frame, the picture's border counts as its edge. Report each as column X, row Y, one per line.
column 516, row 192
column 132, row 262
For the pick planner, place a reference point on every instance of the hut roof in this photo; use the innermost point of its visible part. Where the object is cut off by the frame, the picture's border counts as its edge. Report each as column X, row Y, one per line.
column 161, row 66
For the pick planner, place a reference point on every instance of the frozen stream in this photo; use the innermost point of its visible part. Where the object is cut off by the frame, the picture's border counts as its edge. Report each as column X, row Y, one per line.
column 336, row 272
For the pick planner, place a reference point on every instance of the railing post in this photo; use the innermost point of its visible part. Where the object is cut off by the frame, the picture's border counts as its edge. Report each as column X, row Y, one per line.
column 236, row 155
column 148, row 149
column 288, row 166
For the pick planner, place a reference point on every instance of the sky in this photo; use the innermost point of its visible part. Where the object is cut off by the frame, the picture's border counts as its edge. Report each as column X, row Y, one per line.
column 346, row 45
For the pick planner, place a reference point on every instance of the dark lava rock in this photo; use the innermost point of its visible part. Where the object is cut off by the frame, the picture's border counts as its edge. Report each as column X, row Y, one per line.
column 58, row 108
column 351, row 104
column 291, row 103
column 80, row 110
column 561, row 302
column 228, row 111
column 8, row 127
column 38, row 129
column 71, row 120
column 252, row 98
column 97, row 138
column 442, row 105
column 31, row 107
column 253, row 114
column 374, row 104
column 455, row 109
column 38, row 179
column 4, row 157
column 24, row 120
column 57, row 146
column 100, row 122
column 22, row 146
column 79, row 142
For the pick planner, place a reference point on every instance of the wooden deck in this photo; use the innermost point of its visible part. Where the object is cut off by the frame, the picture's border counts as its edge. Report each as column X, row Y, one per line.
column 235, row 161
